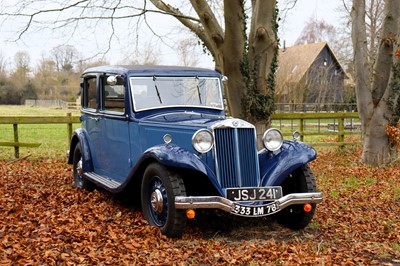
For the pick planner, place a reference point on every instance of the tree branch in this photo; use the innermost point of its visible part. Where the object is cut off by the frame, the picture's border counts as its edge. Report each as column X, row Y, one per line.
column 193, row 24
column 34, row 14
column 209, row 21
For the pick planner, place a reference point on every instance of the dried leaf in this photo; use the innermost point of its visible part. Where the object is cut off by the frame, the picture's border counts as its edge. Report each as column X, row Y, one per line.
column 44, row 220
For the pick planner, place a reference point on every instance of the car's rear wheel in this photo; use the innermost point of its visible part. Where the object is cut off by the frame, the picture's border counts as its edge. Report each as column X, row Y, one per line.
column 159, row 188
column 79, row 180
column 300, row 181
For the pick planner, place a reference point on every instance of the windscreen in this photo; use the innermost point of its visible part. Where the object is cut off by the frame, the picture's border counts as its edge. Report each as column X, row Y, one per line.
column 160, row 92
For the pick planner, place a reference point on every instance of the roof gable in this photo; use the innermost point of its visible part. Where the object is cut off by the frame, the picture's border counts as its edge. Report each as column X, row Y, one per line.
column 295, row 61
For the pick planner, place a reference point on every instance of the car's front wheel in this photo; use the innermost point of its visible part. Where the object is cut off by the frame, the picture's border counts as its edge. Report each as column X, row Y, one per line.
column 79, row 180
column 302, row 180
column 159, row 188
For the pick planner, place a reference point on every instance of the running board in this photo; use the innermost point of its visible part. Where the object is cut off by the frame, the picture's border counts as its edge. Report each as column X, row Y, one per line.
column 102, row 180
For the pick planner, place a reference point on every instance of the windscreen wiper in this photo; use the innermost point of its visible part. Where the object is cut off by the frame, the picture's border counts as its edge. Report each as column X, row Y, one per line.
column 198, row 89
column 158, row 92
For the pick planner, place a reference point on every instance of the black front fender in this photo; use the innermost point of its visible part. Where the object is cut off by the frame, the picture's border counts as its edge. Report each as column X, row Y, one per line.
column 276, row 166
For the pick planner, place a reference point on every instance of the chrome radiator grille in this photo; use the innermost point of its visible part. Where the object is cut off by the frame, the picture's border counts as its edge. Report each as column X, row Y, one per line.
column 236, row 157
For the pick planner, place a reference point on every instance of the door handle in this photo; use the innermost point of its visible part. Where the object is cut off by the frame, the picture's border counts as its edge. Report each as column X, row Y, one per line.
column 97, row 119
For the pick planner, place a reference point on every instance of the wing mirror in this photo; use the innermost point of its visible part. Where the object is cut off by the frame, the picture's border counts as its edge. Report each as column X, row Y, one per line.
column 112, row 80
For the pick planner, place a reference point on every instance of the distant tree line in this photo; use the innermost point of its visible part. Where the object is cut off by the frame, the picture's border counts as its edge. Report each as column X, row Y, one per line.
column 54, row 77
column 57, row 76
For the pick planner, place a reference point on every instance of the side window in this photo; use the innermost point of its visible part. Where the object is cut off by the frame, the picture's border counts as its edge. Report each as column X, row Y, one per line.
column 89, row 93
column 113, row 95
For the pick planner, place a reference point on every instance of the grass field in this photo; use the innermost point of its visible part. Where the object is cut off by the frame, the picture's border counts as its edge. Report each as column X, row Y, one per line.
column 20, row 110
column 53, row 138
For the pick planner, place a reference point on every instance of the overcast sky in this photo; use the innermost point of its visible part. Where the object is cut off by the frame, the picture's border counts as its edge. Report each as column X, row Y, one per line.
column 38, row 43
column 303, row 11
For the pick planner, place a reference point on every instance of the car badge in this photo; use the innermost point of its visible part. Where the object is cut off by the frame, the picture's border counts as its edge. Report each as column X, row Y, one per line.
column 235, row 123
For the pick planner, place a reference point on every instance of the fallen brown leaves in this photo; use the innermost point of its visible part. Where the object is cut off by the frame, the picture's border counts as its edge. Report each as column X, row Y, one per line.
column 397, row 52
column 45, row 220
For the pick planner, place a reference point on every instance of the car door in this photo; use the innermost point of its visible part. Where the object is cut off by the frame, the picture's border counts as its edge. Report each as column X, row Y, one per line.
column 90, row 117
column 107, row 126
column 114, row 161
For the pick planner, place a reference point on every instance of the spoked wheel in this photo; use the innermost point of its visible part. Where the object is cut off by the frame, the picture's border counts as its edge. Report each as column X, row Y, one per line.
column 159, row 188
column 300, row 181
column 79, row 180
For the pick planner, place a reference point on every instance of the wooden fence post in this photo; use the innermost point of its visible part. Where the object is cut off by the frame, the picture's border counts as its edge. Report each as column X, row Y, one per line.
column 16, row 147
column 69, row 129
column 341, row 130
column 301, row 129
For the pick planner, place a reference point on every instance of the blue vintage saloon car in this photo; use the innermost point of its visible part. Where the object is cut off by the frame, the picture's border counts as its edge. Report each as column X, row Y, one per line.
column 161, row 133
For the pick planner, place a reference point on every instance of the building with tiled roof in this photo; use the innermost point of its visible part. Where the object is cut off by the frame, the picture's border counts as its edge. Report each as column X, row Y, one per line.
column 309, row 73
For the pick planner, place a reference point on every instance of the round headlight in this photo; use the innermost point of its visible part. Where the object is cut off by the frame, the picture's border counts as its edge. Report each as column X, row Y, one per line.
column 203, row 140
column 272, row 139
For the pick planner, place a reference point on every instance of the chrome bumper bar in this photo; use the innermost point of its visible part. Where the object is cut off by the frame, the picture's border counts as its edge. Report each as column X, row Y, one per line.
column 216, row 202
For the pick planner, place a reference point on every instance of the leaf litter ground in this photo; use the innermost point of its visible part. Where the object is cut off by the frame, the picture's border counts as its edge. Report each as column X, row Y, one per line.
column 44, row 220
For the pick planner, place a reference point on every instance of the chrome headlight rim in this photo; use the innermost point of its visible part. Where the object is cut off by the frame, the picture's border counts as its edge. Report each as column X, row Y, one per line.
column 272, row 139
column 201, row 137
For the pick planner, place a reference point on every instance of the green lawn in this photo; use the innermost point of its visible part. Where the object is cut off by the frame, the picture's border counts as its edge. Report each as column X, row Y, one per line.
column 53, row 138
column 21, row 110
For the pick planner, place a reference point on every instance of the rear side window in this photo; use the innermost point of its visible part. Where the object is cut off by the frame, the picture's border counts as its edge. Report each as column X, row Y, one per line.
column 89, row 93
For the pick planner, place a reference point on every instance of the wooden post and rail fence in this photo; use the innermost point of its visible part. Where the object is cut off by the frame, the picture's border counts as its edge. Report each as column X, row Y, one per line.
column 339, row 129
column 68, row 120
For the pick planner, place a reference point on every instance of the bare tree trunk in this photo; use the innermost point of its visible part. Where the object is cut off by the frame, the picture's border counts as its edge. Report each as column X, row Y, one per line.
column 233, row 54
column 376, row 146
column 372, row 98
column 262, row 41
column 262, row 48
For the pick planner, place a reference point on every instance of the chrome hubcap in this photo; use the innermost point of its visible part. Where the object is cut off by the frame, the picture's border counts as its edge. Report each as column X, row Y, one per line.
column 156, row 200
column 79, row 168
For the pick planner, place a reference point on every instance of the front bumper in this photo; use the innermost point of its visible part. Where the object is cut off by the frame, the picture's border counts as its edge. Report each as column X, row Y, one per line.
column 216, row 202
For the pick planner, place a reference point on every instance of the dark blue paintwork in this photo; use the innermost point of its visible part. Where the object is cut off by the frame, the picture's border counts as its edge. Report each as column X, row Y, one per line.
column 116, row 146
column 275, row 167
column 175, row 156
column 80, row 136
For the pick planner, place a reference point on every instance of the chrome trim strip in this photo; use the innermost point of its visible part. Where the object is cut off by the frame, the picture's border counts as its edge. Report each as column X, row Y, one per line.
column 105, row 181
column 207, row 202
column 217, row 202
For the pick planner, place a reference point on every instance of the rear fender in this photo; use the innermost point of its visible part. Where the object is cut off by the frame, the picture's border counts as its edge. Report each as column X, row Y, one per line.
column 275, row 167
column 173, row 156
column 79, row 136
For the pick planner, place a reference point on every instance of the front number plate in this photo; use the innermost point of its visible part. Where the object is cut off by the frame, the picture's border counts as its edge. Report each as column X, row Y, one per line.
column 254, row 194
column 254, row 211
